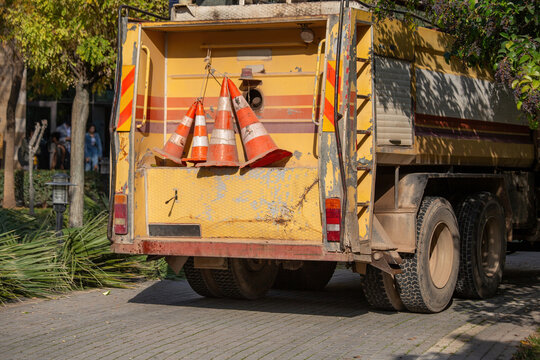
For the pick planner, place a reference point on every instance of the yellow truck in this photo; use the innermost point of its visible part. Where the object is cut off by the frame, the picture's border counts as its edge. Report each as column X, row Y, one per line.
column 411, row 170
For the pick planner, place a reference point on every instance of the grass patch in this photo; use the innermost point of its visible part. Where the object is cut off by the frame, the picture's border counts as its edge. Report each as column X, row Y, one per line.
column 529, row 349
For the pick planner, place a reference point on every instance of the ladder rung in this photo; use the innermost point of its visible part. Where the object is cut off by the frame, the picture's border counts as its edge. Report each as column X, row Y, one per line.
column 364, row 168
column 364, row 96
column 362, row 59
column 363, row 132
column 363, row 204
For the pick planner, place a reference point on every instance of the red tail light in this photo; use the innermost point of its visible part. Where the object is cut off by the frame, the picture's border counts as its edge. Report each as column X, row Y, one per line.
column 333, row 219
column 120, row 214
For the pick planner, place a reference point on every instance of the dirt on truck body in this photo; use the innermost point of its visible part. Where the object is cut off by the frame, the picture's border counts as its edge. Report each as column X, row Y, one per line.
column 379, row 153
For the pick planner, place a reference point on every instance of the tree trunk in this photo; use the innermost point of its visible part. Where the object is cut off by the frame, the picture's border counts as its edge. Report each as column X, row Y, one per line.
column 31, row 194
column 79, row 116
column 14, row 61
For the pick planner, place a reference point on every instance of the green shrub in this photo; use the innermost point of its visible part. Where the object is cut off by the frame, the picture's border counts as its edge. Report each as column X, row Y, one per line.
column 34, row 262
column 29, row 266
column 95, row 186
column 88, row 261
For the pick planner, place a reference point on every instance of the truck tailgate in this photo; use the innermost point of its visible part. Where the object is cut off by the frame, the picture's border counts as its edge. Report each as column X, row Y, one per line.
column 255, row 204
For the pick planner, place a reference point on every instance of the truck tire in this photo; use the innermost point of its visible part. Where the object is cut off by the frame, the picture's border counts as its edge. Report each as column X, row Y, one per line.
column 429, row 275
column 246, row 278
column 381, row 291
column 312, row 275
column 201, row 280
column 483, row 246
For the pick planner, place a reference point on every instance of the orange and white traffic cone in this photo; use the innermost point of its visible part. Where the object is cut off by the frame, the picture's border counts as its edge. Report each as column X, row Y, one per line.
column 222, row 148
column 199, row 148
column 260, row 148
column 174, row 147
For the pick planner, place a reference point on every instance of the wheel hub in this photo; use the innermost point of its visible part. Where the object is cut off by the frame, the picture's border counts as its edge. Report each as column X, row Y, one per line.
column 441, row 255
column 490, row 252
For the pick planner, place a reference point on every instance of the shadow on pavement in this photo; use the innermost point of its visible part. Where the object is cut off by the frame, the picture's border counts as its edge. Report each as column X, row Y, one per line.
column 516, row 298
column 343, row 297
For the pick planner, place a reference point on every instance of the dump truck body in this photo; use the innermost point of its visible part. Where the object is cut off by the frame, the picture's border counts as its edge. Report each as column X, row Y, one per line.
column 410, row 125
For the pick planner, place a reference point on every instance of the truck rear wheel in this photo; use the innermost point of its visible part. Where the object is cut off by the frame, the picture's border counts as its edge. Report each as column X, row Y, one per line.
column 246, row 278
column 483, row 246
column 381, row 291
column 201, row 280
column 312, row 275
column 429, row 275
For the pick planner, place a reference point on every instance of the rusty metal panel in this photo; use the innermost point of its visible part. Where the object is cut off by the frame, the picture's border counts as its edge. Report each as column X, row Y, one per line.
column 522, row 198
column 232, row 249
column 259, row 11
column 329, row 179
column 262, row 203
column 400, row 228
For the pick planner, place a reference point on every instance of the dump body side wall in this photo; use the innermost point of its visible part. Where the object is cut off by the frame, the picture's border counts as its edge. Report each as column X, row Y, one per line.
column 459, row 115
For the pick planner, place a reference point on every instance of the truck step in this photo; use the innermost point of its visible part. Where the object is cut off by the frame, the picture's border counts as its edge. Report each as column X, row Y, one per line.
column 359, row 59
column 363, row 168
column 363, row 204
column 364, row 132
column 365, row 97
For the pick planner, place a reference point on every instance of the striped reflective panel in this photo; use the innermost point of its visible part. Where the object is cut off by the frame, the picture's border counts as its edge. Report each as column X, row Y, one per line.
column 329, row 93
column 126, row 98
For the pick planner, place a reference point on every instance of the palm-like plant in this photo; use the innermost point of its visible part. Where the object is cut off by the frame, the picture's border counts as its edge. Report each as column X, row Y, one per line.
column 34, row 262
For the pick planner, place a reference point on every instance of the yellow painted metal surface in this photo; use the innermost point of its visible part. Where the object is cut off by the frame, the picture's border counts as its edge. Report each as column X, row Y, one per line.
column 129, row 58
column 261, row 203
column 122, row 163
column 139, row 210
column 364, row 118
column 286, row 84
column 422, row 46
column 473, row 152
column 304, row 149
column 429, row 49
column 392, row 38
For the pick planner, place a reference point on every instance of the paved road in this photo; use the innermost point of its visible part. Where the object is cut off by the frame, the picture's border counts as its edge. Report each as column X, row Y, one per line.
column 167, row 320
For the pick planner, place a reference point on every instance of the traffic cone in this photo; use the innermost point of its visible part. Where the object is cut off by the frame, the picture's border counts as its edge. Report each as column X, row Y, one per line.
column 200, row 137
column 174, row 147
column 260, row 148
column 222, row 148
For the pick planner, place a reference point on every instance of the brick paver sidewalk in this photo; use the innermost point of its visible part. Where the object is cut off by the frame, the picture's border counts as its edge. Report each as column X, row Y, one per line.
column 167, row 320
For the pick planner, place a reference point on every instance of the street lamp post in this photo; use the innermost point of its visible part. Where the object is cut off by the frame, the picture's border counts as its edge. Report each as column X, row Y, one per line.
column 60, row 198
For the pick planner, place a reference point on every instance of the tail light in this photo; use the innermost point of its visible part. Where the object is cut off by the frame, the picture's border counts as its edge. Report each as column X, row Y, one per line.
column 120, row 214
column 333, row 219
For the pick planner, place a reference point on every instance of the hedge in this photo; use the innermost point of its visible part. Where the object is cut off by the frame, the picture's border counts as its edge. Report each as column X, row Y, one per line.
column 95, row 186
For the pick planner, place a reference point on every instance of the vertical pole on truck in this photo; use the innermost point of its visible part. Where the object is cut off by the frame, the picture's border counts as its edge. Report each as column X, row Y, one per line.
column 337, row 117
column 122, row 24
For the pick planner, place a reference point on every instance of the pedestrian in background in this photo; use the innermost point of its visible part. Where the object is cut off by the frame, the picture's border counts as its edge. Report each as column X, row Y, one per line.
column 92, row 149
column 60, row 156
column 64, row 131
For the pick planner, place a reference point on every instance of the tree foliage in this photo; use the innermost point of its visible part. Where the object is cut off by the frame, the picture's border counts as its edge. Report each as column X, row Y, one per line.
column 70, row 41
column 502, row 35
